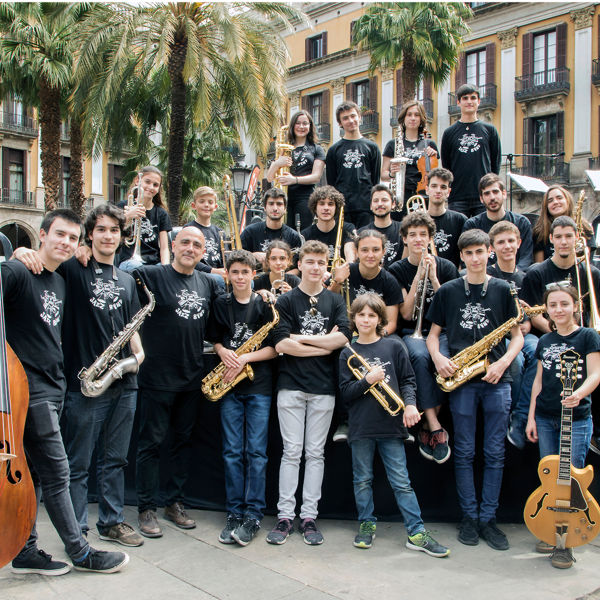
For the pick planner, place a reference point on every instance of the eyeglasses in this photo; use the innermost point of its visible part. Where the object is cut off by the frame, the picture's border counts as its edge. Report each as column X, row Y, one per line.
column 558, row 285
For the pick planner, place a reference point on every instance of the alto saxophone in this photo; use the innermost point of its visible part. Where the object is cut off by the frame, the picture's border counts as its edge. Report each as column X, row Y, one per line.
column 282, row 148
column 213, row 386
column 399, row 179
column 101, row 374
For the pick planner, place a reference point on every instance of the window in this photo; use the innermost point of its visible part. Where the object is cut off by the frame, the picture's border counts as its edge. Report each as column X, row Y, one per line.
column 544, row 58
column 544, row 136
column 316, row 46
column 116, row 189
column 476, row 63
column 315, row 108
column 361, row 93
column 14, row 182
column 65, row 182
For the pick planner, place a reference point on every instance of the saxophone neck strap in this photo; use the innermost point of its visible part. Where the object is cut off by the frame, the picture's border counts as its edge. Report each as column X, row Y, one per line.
column 483, row 289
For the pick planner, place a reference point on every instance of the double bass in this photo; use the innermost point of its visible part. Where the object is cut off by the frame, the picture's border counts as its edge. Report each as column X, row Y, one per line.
column 17, row 495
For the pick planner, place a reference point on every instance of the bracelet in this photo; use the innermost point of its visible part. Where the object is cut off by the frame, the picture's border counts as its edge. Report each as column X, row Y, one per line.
column 390, row 173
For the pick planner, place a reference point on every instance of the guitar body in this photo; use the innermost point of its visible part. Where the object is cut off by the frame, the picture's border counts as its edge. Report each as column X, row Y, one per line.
column 559, row 508
column 424, row 165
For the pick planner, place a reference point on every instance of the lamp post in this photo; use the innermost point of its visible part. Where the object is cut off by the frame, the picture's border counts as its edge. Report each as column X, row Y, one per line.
column 240, row 177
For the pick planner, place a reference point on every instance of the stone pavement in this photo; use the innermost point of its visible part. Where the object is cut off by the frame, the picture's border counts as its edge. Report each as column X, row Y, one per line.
column 192, row 564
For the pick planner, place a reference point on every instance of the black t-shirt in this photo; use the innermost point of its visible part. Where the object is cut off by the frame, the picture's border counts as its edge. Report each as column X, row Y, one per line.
column 312, row 374
column 303, row 159
column 469, row 318
column 448, row 228
column 366, row 417
column 232, row 324
column 413, row 151
column 212, row 236
column 353, row 168
column 156, row 220
column 383, row 284
column 262, row 282
column 34, row 307
column 583, row 341
column 515, row 277
column 173, row 336
column 525, row 251
column 328, row 237
column 470, row 150
column 97, row 308
column 394, row 246
column 257, row 237
column 404, row 272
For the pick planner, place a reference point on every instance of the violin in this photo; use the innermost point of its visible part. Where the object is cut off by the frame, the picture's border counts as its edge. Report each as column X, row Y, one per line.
column 17, row 495
column 424, row 165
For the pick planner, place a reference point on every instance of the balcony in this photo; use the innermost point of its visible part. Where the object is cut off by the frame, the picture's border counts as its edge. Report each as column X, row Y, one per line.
column 395, row 111
column 553, row 82
column 596, row 71
column 487, row 95
column 18, row 123
column 324, row 132
column 88, row 204
column 17, row 197
column 547, row 169
column 370, row 122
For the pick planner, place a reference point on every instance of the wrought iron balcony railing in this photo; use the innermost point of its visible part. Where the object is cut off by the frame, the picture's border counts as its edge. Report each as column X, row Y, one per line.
column 324, row 132
column 16, row 197
column 395, row 111
column 543, row 83
column 487, row 94
column 545, row 168
column 18, row 123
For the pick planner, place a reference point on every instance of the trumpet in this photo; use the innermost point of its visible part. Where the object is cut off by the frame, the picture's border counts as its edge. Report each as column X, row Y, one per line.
column 135, row 239
column 417, row 203
column 274, row 289
column 420, row 297
column 378, row 389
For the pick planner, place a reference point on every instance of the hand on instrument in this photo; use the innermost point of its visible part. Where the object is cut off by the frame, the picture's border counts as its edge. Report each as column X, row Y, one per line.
column 571, row 401
column 287, row 179
column 443, row 365
column 230, row 358
column 375, row 375
column 411, row 416
column 30, row 259
column 531, row 430
column 342, row 273
column 430, row 151
column 232, row 372
column 266, row 295
column 137, row 211
column 283, row 287
column 494, row 372
column 284, row 161
column 394, row 167
column 83, row 254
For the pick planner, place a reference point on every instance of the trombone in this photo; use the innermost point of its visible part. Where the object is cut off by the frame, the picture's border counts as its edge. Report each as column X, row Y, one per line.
column 420, row 297
column 417, row 203
column 337, row 260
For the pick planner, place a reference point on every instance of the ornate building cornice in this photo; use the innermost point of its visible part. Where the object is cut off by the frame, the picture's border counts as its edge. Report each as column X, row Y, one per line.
column 582, row 17
column 508, row 38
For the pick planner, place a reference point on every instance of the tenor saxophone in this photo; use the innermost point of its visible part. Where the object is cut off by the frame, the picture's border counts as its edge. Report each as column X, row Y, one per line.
column 101, row 374
column 213, row 386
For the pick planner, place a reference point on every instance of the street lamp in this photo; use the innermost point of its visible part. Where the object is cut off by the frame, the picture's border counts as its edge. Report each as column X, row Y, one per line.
column 240, row 176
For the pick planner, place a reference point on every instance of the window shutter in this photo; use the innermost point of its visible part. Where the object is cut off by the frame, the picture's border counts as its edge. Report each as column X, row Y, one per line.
column 399, row 87
column 561, row 45
column 25, row 181
column 427, row 88
column 349, row 95
column 304, row 101
column 324, row 35
column 527, row 55
column 307, row 49
column 111, row 183
column 490, row 63
column 5, row 167
column 352, row 24
column 560, row 132
column 460, row 75
column 527, row 139
column 373, row 93
column 325, row 118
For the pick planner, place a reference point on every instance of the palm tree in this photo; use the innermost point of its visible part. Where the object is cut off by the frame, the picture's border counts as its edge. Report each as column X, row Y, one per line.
column 223, row 60
column 424, row 36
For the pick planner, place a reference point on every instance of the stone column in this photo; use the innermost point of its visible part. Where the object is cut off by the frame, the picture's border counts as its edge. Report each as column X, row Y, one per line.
column 338, row 98
column 294, row 102
column 443, row 118
column 508, row 65
column 387, row 100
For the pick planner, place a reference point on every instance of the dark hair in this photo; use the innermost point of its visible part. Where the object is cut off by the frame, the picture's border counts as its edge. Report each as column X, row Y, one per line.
column 157, row 200
column 567, row 289
column 418, row 218
column 104, row 210
column 282, row 246
column 343, row 107
column 441, row 173
column 563, row 221
column 490, row 179
column 376, row 304
column 473, row 237
column 59, row 213
column 381, row 187
column 311, row 136
column 313, row 247
column 370, row 233
column 503, row 227
column 325, row 192
column 240, row 256
column 274, row 193
column 422, row 114
column 466, row 88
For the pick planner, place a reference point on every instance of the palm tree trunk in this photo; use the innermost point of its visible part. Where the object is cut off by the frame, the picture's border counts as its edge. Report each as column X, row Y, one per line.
column 76, row 195
column 50, row 143
column 177, row 127
column 409, row 78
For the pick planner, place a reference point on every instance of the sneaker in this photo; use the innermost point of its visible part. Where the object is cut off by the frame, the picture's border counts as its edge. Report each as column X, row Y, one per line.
column 39, row 563
column 410, row 438
column 341, row 433
column 562, row 558
column 544, row 548
column 176, row 513
column 280, row 533
column 246, row 531
column 312, row 536
column 366, row 535
column 424, row 448
column 494, row 537
column 516, row 433
column 123, row 534
column 468, row 532
column 439, row 445
column 231, row 525
column 148, row 524
column 99, row 561
column 595, row 444
column 423, row 542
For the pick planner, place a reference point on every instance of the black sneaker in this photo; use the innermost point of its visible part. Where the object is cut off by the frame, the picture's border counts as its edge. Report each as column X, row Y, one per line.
column 424, row 447
column 231, row 524
column 246, row 531
column 440, row 449
column 562, row 558
column 516, row 433
column 341, row 433
column 468, row 532
column 366, row 534
column 312, row 536
column 99, row 561
column 595, row 444
column 423, row 542
column 494, row 537
column 280, row 533
column 39, row 562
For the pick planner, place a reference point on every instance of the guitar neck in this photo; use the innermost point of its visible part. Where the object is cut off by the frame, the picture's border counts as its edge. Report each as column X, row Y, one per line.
column 566, row 426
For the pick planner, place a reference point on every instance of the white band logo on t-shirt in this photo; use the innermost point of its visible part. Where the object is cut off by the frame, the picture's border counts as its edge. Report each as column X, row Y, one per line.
column 469, row 142
column 212, row 253
column 551, row 355
column 51, row 304
column 300, row 158
column 241, row 333
column 313, row 324
column 376, row 362
column 440, row 239
column 473, row 316
column 147, row 232
column 363, row 290
column 106, row 293
column 353, row 159
column 190, row 305
column 390, row 250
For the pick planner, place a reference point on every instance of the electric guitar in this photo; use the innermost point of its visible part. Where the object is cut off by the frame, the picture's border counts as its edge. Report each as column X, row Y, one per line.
column 562, row 512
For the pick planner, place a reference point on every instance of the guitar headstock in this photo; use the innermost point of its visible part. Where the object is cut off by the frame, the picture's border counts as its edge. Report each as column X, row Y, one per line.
column 569, row 367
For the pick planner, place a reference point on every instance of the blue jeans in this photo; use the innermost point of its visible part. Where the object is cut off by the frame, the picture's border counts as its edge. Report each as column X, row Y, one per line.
column 50, row 473
column 495, row 403
column 523, row 370
column 245, row 426
column 548, row 429
column 103, row 423
column 393, row 456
